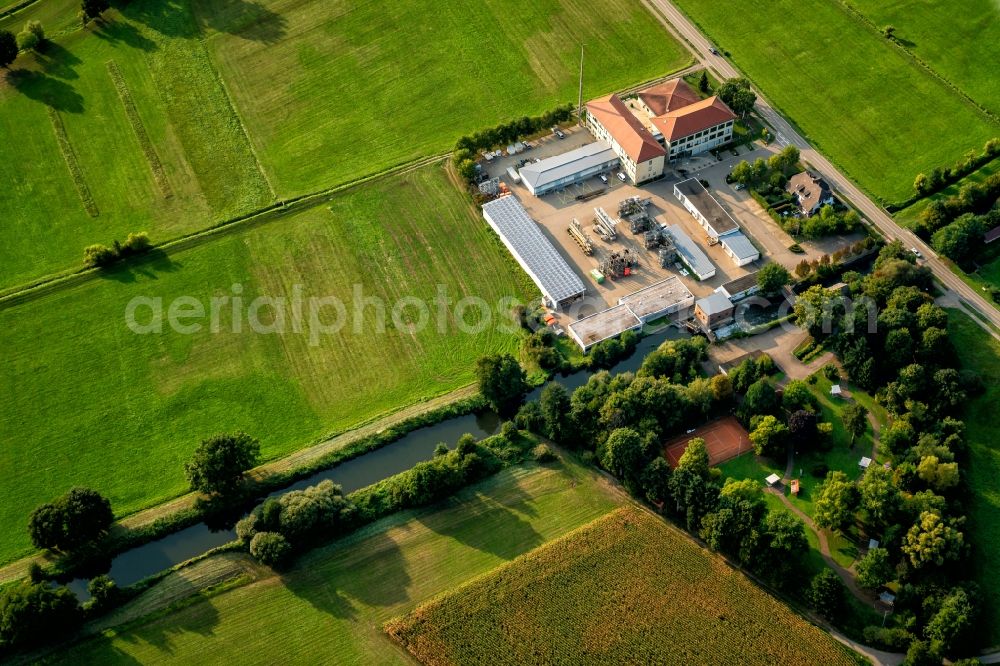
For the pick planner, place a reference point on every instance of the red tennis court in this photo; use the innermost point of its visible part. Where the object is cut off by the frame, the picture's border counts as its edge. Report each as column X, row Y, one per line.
column 724, row 438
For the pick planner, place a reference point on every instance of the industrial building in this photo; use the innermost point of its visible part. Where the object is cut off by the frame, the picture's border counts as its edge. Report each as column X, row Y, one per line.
column 689, row 253
column 660, row 299
column 575, row 166
column 661, row 124
column 704, row 207
column 559, row 284
column 741, row 287
column 714, row 310
column 604, row 325
column 739, row 248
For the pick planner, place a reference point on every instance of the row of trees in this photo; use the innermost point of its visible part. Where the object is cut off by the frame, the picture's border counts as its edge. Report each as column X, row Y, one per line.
column 977, row 198
column 32, row 36
column 914, row 508
column 467, row 147
column 772, row 172
column 939, row 178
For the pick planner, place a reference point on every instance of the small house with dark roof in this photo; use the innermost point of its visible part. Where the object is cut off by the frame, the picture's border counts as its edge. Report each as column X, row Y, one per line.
column 811, row 192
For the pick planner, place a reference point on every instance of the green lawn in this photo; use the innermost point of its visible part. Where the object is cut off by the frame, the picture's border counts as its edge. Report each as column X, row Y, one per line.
column 931, row 30
column 331, row 91
column 87, row 401
column 206, row 157
column 981, row 352
column 860, row 100
column 331, row 605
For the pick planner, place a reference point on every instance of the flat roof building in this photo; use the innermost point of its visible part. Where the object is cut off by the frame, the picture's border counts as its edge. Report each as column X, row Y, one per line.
column 689, row 252
column 713, row 311
column 659, row 299
column 604, row 325
column 739, row 248
column 560, row 171
column 704, row 207
column 559, row 284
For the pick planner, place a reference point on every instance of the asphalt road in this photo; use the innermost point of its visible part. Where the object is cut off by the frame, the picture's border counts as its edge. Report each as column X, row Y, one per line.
column 786, row 134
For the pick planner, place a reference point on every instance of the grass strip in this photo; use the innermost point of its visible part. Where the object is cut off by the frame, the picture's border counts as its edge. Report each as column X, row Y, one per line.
column 66, row 148
column 159, row 175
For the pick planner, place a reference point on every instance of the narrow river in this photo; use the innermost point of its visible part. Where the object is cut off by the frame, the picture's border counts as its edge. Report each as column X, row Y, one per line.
column 143, row 561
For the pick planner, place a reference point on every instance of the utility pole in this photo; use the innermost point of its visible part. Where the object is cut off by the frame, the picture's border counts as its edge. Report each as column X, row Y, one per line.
column 579, row 99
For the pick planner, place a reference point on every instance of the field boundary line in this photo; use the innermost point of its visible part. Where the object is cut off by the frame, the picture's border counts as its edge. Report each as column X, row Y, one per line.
column 132, row 113
column 232, row 107
column 53, row 283
column 860, row 16
column 69, row 156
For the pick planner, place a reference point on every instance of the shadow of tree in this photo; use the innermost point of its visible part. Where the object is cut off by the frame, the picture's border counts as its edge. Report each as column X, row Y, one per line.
column 167, row 17
column 122, row 32
column 57, row 61
column 247, row 19
column 371, row 571
column 48, row 90
column 149, row 266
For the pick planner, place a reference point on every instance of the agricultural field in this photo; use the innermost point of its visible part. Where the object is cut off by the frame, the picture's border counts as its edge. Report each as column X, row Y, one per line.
column 335, row 599
column 87, row 401
column 979, row 351
column 930, row 30
column 627, row 588
column 864, row 106
column 75, row 169
column 332, row 91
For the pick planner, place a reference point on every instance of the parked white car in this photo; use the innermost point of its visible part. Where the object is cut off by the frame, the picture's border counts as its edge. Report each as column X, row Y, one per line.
column 621, row 177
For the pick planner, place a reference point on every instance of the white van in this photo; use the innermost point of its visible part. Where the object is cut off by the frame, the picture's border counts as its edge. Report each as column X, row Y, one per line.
column 604, row 179
column 621, row 177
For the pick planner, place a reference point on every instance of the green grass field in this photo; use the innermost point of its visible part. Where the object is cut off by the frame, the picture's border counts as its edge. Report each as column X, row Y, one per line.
column 981, row 352
column 627, row 588
column 931, row 30
column 867, row 106
column 206, row 157
column 331, row 605
column 331, row 91
column 87, row 401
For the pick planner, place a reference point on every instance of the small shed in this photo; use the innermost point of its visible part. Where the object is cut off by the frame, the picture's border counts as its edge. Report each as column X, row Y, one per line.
column 773, row 480
column 887, row 598
column 795, row 486
column 865, row 462
column 872, row 543
column 836, row 390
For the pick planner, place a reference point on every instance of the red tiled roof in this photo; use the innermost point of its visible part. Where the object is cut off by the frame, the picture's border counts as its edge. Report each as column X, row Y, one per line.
column 668, row 96
column 693, row 118
column 627, row 130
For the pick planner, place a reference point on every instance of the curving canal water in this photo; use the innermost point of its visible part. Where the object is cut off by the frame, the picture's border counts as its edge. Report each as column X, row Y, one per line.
column 416, row 446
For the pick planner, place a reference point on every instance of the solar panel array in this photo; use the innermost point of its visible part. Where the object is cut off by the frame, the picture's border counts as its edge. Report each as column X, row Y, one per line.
column 532, row 249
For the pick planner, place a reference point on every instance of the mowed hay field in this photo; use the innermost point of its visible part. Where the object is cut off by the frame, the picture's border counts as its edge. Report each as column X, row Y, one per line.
column 863, row 102
column 87, row 401
column 74, row 169
column 627, row 588
column 330, row 606
column 334, row 90
column 980, row 352
column 959, row 45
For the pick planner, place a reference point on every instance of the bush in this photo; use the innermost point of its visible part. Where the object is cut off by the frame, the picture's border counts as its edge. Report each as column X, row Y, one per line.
column 543, row 454
column 26, row 41
column 98, row 255
column 271, row 549
column 895, row 639
column 102, row 256
column 828, row 595
column 35, row 572
column 831, row 372
column 34, row 613
column 104, row 593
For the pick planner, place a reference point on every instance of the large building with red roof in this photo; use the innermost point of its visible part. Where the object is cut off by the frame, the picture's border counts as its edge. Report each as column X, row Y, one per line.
column 660, row 124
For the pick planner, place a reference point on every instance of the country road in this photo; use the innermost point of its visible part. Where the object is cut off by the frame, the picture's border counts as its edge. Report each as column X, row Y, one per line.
column 682, row 27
